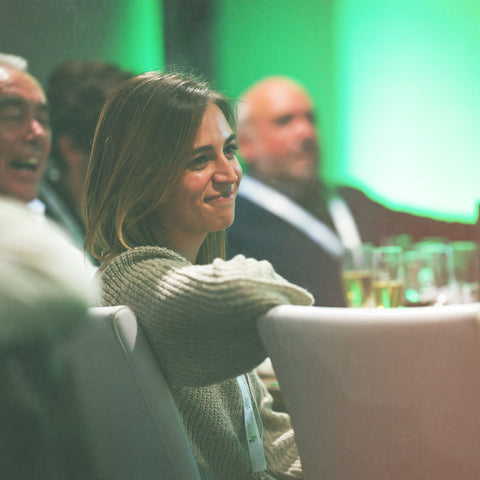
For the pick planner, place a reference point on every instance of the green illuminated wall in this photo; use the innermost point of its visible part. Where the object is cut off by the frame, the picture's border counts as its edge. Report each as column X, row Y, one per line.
column 396, row 83
column 135, row 37
column 256, row 38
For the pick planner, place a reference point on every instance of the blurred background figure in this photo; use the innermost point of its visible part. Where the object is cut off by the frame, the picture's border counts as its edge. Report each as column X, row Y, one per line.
column 284, row 200
column 76, row 92
column 44, row 292
column 24, row 131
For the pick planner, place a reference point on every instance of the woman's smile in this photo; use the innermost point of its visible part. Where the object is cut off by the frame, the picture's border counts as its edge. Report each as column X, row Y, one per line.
column 224, row 196
column 204, row 200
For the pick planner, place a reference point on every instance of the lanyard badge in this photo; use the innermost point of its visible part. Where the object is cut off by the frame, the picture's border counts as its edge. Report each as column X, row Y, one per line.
column 253, row 427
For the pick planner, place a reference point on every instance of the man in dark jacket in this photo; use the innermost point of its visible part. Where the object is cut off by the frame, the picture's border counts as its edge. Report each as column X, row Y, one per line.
column 287, row 215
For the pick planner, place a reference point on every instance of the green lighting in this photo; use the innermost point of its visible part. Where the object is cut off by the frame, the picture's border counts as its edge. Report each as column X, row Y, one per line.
column 258, row 38
column 410, row 104
column 136, row 38
column 395, row 82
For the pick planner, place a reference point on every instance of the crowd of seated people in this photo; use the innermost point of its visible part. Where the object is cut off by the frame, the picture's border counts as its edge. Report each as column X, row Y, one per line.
column 158, row 194
column 170, row 167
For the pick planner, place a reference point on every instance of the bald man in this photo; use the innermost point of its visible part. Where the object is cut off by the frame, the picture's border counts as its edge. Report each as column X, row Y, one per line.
column 24, row 133
column 287, row 215
column 277, row 133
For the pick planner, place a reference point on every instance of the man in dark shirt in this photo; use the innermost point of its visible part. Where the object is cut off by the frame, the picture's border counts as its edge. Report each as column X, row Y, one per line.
column 286, row 214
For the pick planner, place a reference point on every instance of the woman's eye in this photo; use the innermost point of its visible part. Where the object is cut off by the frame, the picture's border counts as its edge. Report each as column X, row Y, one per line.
column 231, row 150
column 198, row 163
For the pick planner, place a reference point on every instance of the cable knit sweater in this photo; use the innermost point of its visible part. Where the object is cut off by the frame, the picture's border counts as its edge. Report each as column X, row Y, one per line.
column 200, row 321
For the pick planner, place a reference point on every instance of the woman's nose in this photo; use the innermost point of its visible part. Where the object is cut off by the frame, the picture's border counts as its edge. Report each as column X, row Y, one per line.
column 226, row 171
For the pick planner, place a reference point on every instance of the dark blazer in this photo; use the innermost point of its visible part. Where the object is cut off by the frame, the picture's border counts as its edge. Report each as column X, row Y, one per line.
column 377, row 223
column 259, row 234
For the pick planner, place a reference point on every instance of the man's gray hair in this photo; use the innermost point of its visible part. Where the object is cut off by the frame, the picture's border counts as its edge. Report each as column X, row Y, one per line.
column 15, row 61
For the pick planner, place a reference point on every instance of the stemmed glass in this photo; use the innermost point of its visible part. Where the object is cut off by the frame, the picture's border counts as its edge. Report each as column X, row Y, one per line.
column 388, row 276
column 357, row 276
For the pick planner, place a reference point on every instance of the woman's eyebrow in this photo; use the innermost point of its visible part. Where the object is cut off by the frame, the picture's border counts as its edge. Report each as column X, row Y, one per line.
column 231, row 138
column 205, row 148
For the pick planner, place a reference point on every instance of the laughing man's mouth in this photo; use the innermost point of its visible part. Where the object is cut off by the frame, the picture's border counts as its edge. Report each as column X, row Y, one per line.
column 27, row 164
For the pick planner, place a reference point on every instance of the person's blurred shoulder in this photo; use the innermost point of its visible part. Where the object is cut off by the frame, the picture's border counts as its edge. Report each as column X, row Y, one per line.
column 45, row 284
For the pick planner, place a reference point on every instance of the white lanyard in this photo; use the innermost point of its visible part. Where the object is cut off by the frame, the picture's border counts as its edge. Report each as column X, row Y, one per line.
column 344, row 223
column 290, row 211
column 253, row 427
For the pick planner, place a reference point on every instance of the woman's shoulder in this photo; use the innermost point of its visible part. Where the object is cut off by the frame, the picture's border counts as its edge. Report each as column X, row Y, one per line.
column 143, row 257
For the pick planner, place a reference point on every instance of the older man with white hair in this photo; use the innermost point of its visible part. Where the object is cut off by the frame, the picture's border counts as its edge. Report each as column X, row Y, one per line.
column 24, row 130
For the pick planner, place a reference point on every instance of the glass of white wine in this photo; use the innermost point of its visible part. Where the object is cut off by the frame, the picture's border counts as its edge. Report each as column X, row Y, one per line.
column 388, row 276
column 466, row 272
column 357, row 276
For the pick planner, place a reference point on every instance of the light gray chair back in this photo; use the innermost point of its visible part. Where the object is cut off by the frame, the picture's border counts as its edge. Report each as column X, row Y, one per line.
column 380, row 394
column 131, row 420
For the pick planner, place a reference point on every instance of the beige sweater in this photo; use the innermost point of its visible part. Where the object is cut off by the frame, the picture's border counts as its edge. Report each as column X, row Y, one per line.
column 201, row 323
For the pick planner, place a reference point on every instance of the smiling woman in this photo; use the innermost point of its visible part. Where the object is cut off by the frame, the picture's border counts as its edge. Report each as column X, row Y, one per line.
column 155, row 146
column 204, row 199
column 161, row 187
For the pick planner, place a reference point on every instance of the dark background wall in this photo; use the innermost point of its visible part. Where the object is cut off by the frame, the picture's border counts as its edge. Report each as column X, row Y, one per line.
column 129, row 32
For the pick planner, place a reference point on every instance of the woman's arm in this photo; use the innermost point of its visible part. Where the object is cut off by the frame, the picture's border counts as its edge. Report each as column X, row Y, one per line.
column 201, row 319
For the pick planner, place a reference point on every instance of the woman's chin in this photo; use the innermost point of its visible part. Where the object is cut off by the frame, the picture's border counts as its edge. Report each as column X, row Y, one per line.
column 224, row 223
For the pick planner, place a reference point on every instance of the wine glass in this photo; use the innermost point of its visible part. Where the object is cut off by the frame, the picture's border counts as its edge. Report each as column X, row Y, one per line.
column 388, row 276
column 427, row 275
column 357, row 276
column 465, row 264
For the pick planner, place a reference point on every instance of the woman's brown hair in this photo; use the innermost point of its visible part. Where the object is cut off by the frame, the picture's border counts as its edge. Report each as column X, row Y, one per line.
column 142, row 145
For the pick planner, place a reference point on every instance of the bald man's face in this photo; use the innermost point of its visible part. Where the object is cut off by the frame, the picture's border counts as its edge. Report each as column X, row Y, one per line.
column 281, row 141
column 24, row 134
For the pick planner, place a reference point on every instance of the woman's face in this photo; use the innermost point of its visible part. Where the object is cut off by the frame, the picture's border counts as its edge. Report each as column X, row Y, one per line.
column 204, row 199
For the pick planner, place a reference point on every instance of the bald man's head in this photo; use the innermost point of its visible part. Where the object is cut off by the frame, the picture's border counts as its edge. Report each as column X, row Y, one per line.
column 277, row 131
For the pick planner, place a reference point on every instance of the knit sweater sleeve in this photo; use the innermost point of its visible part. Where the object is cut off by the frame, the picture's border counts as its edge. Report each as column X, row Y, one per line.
column 200, row 319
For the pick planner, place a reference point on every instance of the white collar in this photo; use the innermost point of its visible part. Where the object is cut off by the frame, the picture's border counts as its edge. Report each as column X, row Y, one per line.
column 36, row 206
